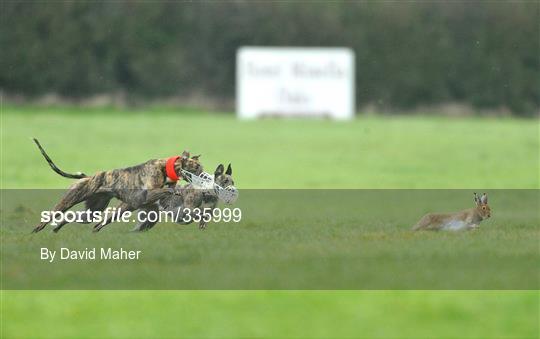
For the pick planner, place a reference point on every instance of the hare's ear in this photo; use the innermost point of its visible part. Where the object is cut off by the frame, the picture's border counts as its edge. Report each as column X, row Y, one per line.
column 219, row 170
column 196, row 157
column 229, row 170
column 185, row 155
column 484, row 200
column 476, row 199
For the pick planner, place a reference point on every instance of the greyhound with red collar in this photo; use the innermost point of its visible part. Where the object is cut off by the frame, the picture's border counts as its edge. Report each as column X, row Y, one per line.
column 137, row 186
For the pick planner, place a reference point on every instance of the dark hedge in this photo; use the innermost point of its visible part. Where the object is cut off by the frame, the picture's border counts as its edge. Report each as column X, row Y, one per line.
column 485, row 53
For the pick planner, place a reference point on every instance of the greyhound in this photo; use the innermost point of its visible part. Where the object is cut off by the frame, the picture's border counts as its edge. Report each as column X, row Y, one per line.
column 135, row 186
column 188, row 198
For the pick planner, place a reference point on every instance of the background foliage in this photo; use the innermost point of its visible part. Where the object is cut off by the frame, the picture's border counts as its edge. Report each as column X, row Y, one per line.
column 485, row 54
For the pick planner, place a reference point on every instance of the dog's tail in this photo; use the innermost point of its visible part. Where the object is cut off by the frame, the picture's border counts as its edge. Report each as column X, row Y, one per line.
column 78, row 175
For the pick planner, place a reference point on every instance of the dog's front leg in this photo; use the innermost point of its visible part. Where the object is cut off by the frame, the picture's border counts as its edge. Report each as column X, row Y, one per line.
column 202, row 224
column 207, row 210
column 205, row 216
column 138, row 198
column 154, row 195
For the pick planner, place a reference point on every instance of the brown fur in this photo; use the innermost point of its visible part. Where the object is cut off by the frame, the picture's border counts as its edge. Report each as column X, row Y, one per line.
column 190, row 198
column 135, row 186
column 469, row 218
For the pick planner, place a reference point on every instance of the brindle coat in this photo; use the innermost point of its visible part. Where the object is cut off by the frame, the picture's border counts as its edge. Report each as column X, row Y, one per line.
column 136, row 186
column 188, row 198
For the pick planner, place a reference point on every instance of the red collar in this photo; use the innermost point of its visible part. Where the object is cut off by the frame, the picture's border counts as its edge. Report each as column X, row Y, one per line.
column 169, row 169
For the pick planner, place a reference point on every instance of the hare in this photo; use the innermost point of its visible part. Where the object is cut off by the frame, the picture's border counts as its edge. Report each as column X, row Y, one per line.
column 464, row 220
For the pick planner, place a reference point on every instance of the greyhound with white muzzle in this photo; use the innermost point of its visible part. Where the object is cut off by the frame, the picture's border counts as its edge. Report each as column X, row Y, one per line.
column 202, row 194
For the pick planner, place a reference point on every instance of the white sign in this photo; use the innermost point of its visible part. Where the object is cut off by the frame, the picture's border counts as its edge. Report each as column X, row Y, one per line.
column 280, row 81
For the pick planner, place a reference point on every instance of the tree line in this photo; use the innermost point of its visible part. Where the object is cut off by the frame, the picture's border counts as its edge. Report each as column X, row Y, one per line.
column 484, row 54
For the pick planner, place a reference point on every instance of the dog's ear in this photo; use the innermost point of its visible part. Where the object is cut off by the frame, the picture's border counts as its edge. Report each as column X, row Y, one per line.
column 196, row 157
column 219, row 170
column 229, row 170
column 185, row 155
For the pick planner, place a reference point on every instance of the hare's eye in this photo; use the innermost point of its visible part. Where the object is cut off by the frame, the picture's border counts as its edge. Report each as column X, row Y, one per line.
column 484, row 208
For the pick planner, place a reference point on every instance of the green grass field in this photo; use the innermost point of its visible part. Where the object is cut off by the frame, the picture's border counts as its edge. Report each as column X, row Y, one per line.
column 372, row 152
column 392, row 152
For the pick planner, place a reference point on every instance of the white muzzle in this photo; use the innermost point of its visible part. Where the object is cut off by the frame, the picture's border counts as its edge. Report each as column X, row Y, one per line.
column 227, row 194
column 203, row 181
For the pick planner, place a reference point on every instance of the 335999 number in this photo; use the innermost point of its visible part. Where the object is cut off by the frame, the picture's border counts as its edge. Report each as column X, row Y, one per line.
column 212, row 215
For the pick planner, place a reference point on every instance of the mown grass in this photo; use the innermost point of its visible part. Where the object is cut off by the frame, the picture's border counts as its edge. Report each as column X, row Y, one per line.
column 291, row 314
column 311, row 239
column 371, row 152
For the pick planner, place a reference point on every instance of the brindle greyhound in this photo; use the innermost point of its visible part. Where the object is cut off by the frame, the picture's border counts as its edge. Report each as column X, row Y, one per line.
column 136, row 186
column 190, row 198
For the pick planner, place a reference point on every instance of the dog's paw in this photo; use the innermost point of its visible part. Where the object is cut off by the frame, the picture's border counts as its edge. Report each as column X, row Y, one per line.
column 37, row 229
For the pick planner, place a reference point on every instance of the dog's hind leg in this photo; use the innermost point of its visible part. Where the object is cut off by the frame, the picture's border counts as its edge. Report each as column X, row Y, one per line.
column 145, row 225
column 96, row 202
column 76, row 194
column 121, row 209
